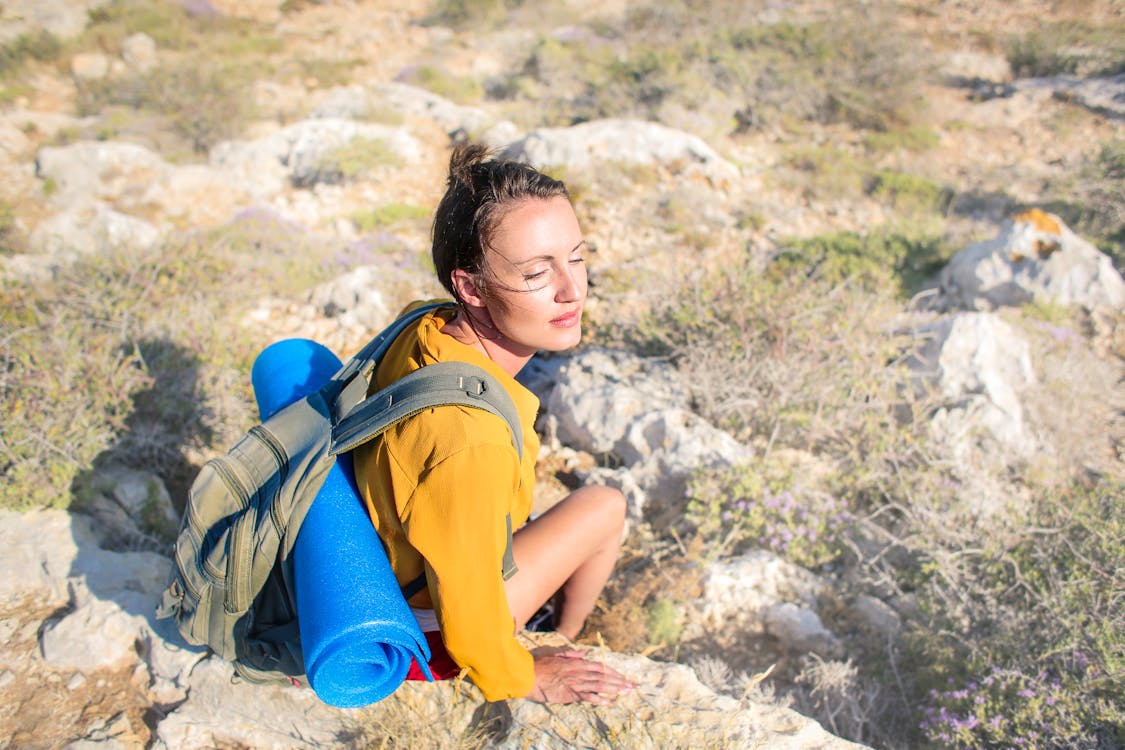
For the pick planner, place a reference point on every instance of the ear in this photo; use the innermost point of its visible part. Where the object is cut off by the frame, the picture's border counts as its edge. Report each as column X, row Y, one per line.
column 466, row 287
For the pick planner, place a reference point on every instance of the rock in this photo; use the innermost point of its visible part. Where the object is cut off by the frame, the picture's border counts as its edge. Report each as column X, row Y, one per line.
column 979, row 365
column 139, row 52
column 62, row 18
column 89, row 66
column 129, row 502
column 361, row 102
column 92, row 229
column 222, row 712
column 305, row 153
column 876, row 615
column 98, row 634
column 664, row 448
column 799, row 629
column 1036, row 258
column 41, row 545
column 628, row 141
column 355, row 298
column 89, row 171
column 744, row 594
column 600, row 393
column 1103, row 95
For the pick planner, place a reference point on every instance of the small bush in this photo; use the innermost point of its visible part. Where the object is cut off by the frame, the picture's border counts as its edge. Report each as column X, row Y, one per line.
column 669, row 57
column 466, row 13
column 892, row 261
column 739, row 507
column 909, row 194
column 42, row 46
column 389, row 215
column 460, row 89
column 358, row 158
column 1022, row 639
column 201, row 103
column 136, row 357
column 1068, row 48
column 12, row 239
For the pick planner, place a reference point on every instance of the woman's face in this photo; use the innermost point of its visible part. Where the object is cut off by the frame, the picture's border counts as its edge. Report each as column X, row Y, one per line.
column 536, row 271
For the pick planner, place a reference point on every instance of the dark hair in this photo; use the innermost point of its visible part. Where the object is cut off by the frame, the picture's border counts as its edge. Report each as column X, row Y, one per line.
column 479, row 190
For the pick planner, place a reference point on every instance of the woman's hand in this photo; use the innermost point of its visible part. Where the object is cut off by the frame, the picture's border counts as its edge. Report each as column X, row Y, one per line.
column 568, row 677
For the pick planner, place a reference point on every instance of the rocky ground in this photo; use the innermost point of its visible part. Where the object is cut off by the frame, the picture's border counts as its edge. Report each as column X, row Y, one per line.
column 1019, row 146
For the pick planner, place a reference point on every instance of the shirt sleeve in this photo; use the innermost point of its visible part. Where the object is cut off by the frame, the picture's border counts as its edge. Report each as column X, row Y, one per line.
column 457, row 520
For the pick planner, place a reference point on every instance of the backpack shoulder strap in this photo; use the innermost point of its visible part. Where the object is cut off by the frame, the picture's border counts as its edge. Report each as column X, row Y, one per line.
column 348, row 387
column 439, row 384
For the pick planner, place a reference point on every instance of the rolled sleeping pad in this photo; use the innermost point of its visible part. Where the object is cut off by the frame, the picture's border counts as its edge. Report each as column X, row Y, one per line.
column 358, row 635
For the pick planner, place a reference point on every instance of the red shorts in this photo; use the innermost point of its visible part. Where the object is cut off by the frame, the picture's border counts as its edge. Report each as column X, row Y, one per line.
column 441, row 663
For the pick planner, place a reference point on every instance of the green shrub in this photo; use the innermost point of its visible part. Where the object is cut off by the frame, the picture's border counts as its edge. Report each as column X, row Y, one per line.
column 663, row 622
column 461, row 89
column 914, row 138
column 893, row 261
column 745, row 507
column 470, row 13
column 201, row 103
column 1093, row 202
column 12, row 239
column 1067, row 48
column 909, row 194
column 853, row 69
column 137, row 357
column 42, row 46
column 1022, row 638
column 359, row 157
column 389, row 215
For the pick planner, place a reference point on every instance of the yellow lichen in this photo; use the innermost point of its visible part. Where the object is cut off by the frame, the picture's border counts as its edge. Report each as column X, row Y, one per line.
column 1042, row 220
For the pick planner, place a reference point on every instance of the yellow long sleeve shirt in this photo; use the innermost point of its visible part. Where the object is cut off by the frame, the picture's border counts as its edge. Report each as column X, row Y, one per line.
column 445, row 489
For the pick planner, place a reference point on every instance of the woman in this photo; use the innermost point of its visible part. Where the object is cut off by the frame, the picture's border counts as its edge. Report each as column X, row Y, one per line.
column 446, row 489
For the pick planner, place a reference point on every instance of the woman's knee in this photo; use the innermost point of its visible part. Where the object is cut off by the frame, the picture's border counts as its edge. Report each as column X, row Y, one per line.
column 610, row 506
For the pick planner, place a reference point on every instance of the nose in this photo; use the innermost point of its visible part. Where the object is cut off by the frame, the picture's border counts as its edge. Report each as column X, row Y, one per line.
column 572, row 283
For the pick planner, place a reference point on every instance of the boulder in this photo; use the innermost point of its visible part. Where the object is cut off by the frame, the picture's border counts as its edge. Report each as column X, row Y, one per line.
column 89, row 171
column 622, row 141
column 978, row 365
column 138, row 51
column 600, row 393
column 761, row 593
column 1036, row 258
column 63, row 18
column 91, row 229
column 361, row 102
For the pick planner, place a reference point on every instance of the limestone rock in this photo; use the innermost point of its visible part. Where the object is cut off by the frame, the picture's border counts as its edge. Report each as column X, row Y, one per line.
column 89, row 66
column 139, row 52
column 98, row 634
column 221, row 712
column 600, row 393
column 628, row 141
column 979, row 364
column 361, row 102
column 1035, row 258
column 87, row 171
column 760, row 593
column 63, row 18
column 92, row 229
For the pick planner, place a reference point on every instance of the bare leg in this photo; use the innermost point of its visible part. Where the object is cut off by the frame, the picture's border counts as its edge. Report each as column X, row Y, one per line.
column 570, row 549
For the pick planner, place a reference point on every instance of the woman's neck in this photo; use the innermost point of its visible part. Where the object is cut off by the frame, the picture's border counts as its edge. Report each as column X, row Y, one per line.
column 462, row 329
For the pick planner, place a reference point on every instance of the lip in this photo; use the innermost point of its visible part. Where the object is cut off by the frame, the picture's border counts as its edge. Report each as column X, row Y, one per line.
column 568, row 320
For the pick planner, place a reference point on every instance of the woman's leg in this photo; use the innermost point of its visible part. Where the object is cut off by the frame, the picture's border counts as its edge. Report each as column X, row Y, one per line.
column 570, row 549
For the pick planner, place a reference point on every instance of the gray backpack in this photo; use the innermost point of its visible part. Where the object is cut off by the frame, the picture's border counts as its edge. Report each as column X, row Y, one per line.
column 232, row 583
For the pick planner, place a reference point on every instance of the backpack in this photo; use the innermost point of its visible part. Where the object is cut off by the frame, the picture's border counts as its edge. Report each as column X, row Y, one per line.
column 231, row 587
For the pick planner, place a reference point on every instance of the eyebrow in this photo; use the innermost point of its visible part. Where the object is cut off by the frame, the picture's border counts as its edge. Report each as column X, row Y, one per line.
column 546, row 256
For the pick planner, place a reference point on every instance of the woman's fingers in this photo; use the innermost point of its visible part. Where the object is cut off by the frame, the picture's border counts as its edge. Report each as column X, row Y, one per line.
column 568, row 677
